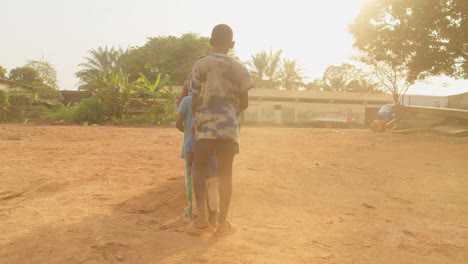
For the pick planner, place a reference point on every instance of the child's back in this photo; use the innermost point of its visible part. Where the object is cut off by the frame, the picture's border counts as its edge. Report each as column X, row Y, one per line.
column 220, row 93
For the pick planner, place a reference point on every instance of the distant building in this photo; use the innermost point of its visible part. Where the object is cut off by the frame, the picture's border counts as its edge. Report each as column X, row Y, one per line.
column 269, row 106
column 426, row 100
column 74, row 97
column 11, row 86
column 459, row 101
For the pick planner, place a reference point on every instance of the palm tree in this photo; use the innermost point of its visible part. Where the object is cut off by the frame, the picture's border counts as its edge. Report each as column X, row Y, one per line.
column 257, row 66
column 265, row 69
column 99, row 66
column 292, row 77
column 273, row 71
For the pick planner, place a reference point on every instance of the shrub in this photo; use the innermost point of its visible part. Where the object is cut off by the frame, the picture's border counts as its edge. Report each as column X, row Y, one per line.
column 90, row 110
column 37, row 112
column 4, row 104
column 19, row 103
column 129, row 120
column 60, row 114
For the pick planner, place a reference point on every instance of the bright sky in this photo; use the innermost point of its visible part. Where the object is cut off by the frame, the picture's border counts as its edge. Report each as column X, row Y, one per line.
column 312, row 32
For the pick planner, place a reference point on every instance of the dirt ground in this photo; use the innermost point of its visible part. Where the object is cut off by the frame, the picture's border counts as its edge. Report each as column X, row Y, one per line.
column 116, row 195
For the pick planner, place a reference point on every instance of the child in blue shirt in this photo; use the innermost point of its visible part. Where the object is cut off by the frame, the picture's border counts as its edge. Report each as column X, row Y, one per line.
column 212, row 182
column 184, row 124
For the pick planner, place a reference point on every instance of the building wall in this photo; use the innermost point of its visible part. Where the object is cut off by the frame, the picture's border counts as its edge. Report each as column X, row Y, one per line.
column 459, row 101
column 427, row 101
column 263, row 112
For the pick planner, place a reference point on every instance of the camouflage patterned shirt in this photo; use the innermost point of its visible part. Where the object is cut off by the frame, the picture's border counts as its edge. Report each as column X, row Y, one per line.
column 218, row 80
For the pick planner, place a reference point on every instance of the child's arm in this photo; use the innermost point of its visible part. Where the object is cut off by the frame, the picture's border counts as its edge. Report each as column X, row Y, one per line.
column 183, row 93
column 189, row 158
column 180, row 122
column 194, row 103
column 243, row 101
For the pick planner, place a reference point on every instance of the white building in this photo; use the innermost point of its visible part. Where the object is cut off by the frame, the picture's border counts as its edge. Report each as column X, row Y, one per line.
column 270, row 106
column 426, row 101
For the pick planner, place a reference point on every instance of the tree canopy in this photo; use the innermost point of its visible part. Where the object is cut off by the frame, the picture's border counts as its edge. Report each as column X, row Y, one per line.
column 167, row 55
column 427, row 37
column 28, row 75
column 292, row 75
column 3, row 72
column 25, row 75
column 345, row 78
column 45, row 71
column 98, row 67
column 270, row 70
column 338, row 78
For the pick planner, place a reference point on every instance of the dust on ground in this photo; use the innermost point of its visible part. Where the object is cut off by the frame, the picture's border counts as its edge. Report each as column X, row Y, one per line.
column 115, row 195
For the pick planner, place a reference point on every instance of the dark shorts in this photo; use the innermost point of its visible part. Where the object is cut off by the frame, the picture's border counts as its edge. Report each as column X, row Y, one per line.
column 218, row 147
column 225, row 150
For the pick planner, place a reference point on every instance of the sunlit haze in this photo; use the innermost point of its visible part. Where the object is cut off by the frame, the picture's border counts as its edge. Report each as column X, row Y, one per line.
column 312, row 32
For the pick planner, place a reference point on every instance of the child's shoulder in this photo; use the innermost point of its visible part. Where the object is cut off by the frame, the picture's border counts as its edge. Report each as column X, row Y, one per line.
column 187, row 99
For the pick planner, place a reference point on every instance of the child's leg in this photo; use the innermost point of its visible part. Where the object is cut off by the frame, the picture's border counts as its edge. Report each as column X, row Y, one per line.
column 213, row 193
column 213, row 199
column 188, row 188
column 194, row 205
column 203, row 149
column 225, row 153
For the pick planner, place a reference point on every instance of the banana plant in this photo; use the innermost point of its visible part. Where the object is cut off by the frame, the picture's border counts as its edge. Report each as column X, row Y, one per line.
column 115, row 91
column 158, row 96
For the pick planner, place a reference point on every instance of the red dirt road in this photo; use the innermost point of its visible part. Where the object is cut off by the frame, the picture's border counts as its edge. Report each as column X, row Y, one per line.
column 102, row 195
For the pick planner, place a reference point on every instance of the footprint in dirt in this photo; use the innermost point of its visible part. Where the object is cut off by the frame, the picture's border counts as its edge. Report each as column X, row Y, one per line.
column 8, row 195
column 114, row 251
column 54, row 186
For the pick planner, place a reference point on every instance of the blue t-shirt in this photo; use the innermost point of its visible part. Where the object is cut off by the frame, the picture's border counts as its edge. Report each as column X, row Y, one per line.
column 185, row 108
column 212, row 169
column 385, row 112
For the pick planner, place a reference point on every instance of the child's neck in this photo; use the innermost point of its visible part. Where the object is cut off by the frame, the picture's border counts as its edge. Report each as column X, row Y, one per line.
column 220, row 50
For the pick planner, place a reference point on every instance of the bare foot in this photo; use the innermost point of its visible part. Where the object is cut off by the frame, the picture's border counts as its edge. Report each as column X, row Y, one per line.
column 225, row 228
column 192, row 229
column 214, row 219
column 201, row 223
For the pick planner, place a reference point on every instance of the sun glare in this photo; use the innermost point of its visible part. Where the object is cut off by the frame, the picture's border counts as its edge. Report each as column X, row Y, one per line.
column 313, row 32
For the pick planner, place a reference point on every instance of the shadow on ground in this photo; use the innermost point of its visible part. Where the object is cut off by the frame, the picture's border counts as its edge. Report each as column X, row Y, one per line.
column 147, row 228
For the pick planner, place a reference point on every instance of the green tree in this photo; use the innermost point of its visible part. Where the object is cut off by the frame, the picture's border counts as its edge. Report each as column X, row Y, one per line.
column 25, row 75
column 273, row 71
column 46, row 72
column 115, row 92
column 426, row 37
column 19, row 102
column 44, row 92
column 315, row 85
column 168, row 55
column 3, row 72
column 90, row 110
column 158, row 96
column 392, row 77
column 292, row 75
column 337, row 78
column 257, row 68
column 266, row 69
column 347, row 78
column 4, row 105
column 364, row 86
column 98, row 67
column 30, row 76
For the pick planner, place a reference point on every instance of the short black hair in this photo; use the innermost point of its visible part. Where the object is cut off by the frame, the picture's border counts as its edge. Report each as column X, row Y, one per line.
column 222, row 33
